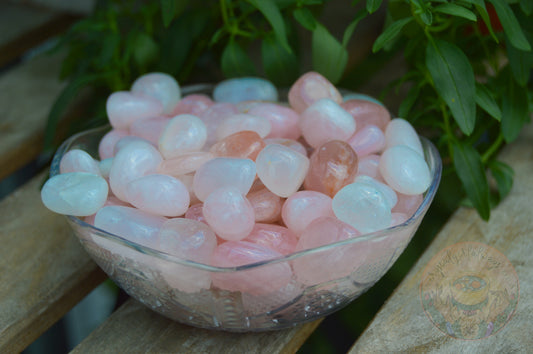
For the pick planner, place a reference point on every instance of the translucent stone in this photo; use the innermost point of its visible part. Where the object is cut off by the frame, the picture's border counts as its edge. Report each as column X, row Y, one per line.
column 360, row 96
column 111, row 200
column 245, row 106
column 214, row 116
column 158, row 194
column 244, row 145
column 389, row 194
column 258, row 280
column 290, row 143
column 285, row 122
column 369, row 166
column 275, row 237
column 184, row 163
column 267, row 205
column 131, row 162
column 405, row 170
column 331, row 167
column 194, row 104
column 105, row 167
column 363, row 206
column 77, row 160
column 245, row 89
column 149, row 129
column 401, row 132
column 123, row 108
column 188, row 180
column 122, row 142
column 229, row 213
column 195, row 213
column 301, row 208
column 309, row 88
column 366, row 112
column 325, row 120
column 398, row 218
column 106, row 147
column 130, row 223
column 160, row 86
column 408, row 204
column 281, row 169
column 224, row 172
column 184, row 133
column 75, row 193
column 368, row 140
column 241, row 122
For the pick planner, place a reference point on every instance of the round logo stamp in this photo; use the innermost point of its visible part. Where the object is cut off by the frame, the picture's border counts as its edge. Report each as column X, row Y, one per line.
column 469, row 290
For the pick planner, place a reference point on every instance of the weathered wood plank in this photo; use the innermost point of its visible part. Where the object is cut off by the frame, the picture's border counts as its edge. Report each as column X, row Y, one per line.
column 402, row 325
column 133, row 328
column 43, row 269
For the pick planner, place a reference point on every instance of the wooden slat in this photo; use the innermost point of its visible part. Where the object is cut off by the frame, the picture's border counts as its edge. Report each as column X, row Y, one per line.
column 43, row 269
column 133, row 328
column 401, row 325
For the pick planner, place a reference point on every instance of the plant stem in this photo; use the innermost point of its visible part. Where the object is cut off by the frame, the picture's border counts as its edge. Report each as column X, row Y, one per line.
column 492, row 149
column 447, row 129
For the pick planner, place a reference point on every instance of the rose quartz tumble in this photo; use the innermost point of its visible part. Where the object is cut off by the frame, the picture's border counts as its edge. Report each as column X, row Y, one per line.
column 258, row 280
column 195, row 213
column 325, row 120
column 366, row 112
column 122, row 142
column 184, row 163
column 158, row 194
column 123, row 108
column 106, row 147
column 405, row 170
column 159, row 86
column 267, row 205
column 275, row 237
column 310, row 88
column 214, row 116
column 131, row 162
column 401, row 132
column 332, row 166
column 285, row 122
column 149, row 129
column 194, row 104
column 408, row 204
column 130, row 223
column 281, row 169
column 244, row 145
column 398, row 218
column 290, row 143
column 188, row 180
column 224, row 172
column 367, row 140
column 369, row 166
column 111, row 200
column 301, row 208
column 241, row 122
column 77, row 160
column 184, row 133
column 229, row 213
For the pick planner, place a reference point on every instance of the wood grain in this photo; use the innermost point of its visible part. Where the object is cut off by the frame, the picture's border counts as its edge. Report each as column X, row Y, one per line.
column 133, row 328
column 44, row 270
column 402, row 325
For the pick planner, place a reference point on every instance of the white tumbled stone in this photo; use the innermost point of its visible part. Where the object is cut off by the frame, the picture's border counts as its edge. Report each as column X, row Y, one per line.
column 405, row 170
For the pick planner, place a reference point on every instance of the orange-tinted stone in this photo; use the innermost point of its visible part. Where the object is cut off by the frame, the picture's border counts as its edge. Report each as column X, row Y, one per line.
column 244, row 145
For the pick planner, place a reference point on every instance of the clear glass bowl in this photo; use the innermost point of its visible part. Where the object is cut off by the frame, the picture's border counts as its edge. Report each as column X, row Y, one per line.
column 163, row 282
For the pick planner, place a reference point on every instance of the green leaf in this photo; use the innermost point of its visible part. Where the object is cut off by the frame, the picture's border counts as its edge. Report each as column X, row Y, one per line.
column 454, row 81
column 486, row 101
column 281, row 67
column 145, row 52
column 328, row 55
column 503, row 174
column 305, row 17
column 348, row 32
column 471, row 172
column 456, row 10
column 273, row 15
column 390, row 33
column 408, row 102
column 520, row 62
column 168, row 10
column 527, row 7
column 372, row 5
column 510, row 25
column 235, row 61
column 514, row 111
column 482, row 9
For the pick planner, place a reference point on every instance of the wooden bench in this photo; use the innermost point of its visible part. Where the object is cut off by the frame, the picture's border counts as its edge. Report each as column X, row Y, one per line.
column 45, row 272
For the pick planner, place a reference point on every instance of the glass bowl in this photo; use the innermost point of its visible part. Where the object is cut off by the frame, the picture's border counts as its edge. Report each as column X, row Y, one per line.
column 320, row 280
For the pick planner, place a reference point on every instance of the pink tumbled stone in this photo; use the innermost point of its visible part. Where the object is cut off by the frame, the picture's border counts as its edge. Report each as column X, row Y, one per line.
column 408, row 204
column 267, row 205
column 258, row 280
column 149, row 129
column 285, row 122
column 122, row 142
column 275, row 237
column 111, row 200
column 244, row 145
column 398, row 218
column 188, row 181
column 214, row 116
column 194, row 104
column 241, row 122
column 106, row 147
column 309, row 88
column 123, row 108
column 195, row 212
column 160, row 86
column 290, row 143
column 229, row 213
column 78, row 161
column 301, row 208
column 366, row 112
column 369, row 166
column 158, row 194
column 184, row 163
column 324, row 121
column 401, row 132
column 367, row 140
column 184, row 133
